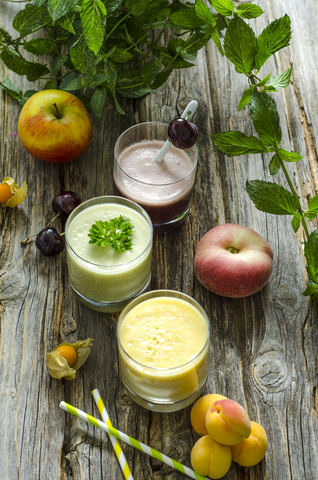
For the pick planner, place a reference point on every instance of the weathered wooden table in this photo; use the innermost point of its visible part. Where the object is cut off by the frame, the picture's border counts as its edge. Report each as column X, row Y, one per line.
column 263, row 347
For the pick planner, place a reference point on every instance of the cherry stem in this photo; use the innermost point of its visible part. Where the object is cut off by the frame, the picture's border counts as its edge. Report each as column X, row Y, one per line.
column 25, row 241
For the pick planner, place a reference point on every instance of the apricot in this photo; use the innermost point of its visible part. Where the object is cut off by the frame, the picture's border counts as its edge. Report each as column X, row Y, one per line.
column 227, row 422
column 210, row 458
column 199, row 409
column 252, row 449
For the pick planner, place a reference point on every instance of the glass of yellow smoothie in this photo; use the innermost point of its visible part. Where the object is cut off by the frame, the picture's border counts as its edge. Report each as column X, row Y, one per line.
column 103, row 278
column 163, row 345
column 164, row 188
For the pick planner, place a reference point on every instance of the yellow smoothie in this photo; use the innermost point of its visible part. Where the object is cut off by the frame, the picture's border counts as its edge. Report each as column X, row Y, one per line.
column 100, row 273
column 163, row 347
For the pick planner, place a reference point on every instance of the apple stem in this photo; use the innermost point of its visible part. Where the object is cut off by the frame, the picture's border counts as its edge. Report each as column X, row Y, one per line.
column 232, row 250
column 58, row 114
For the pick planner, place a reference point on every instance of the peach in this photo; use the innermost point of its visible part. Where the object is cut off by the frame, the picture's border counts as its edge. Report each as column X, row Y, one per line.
column 210, row 458
column 227, row 422
column 199, row 409
column 252, row 449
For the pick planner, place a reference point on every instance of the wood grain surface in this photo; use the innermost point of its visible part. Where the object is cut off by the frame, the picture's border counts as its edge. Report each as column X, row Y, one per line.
column 263, row 347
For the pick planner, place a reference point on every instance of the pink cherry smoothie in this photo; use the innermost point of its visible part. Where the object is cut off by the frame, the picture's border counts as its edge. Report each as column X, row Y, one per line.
column 163, row 188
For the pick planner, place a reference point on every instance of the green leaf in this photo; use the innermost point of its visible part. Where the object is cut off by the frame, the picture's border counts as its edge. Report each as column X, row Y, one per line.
column 289, row 156
column 66, row 22
column 265, row 118
column 151, row 69
column 234, row 143
column 203, row 11
column 59, row 8
column 121, row 56
column 313, row 204
column 246, row 97
column 161, row 78
column 311, row 290
column 262, row 82
column 81, row 57
column 11, row 89
column 280, row 81
column 116, row 233
column 187, row 19
column 134, row 92
column 311, row 254
column 240, row 45
column 28, row 19
column 98, row 101
column 247, row 10
column 274, row 37
column 137, row 7
column 19, row 65
column 73, row 84
column 58, row 63
column 295, row 223
column 216, row 39
column 272, row 198
column 223, row 7
column 93, row 15
column 274, row 165
column 41, row 46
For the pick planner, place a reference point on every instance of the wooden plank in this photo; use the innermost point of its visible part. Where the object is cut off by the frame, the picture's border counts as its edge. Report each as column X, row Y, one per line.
column 263, row 348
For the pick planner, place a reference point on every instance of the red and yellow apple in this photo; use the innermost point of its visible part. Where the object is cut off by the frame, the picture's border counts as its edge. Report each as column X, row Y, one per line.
column 54, row 126
column 233, row 261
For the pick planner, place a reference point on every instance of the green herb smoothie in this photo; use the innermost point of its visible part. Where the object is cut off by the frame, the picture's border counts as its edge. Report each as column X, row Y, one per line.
column 101, row 273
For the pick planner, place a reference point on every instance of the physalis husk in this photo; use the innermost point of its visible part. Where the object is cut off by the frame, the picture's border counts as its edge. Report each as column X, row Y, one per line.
column 58, row 365
column 18, row 193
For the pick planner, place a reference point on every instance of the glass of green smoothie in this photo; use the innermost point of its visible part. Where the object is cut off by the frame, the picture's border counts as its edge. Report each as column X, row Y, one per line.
column 108, row 251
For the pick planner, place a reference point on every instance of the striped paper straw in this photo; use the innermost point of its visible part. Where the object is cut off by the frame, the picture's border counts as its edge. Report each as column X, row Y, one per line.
column 131, row 441
column 118, row 451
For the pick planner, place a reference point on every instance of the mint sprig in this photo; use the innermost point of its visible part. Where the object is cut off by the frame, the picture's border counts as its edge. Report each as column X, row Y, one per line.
column 116, row 233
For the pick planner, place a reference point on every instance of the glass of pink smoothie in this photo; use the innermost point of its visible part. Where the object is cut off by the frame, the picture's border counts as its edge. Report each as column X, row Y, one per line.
column 163, row 188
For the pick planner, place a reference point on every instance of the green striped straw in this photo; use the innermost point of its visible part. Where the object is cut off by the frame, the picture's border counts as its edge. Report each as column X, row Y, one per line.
column 131, row 441
column 116, row 445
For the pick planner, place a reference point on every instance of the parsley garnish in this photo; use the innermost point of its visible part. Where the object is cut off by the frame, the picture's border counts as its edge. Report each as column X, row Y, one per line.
column 116, row 233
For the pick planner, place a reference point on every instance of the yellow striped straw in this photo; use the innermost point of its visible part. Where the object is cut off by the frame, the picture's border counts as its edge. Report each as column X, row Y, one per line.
column 118, row 451
column 131, row 441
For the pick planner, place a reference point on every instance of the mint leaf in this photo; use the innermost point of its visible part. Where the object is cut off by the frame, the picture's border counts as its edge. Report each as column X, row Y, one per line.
column 274, row 165
column 246, row 97
column 313, row 204
column 81, row 57
column 59, row 8
column 151, row 69
column 93, row 15
column 265, row 118
column 17, row 64
column 203, row 11
column 274, row 37
column 311, row 254
column 311, row 290
column 280, row 81
column 41, row 46
column 289, row 156
column 98, row 101
column 223, row 7
column 262, row 82
column 295, row 223
column 247, row 10
column 28, row 19
column 240, row 45
column 187, row 19
column 237, row 143
column 272, row 198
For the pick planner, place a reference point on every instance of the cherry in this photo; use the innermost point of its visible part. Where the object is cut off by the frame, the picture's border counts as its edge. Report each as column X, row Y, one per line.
column 65, row 202
column 182, row 134
column 49, row 241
